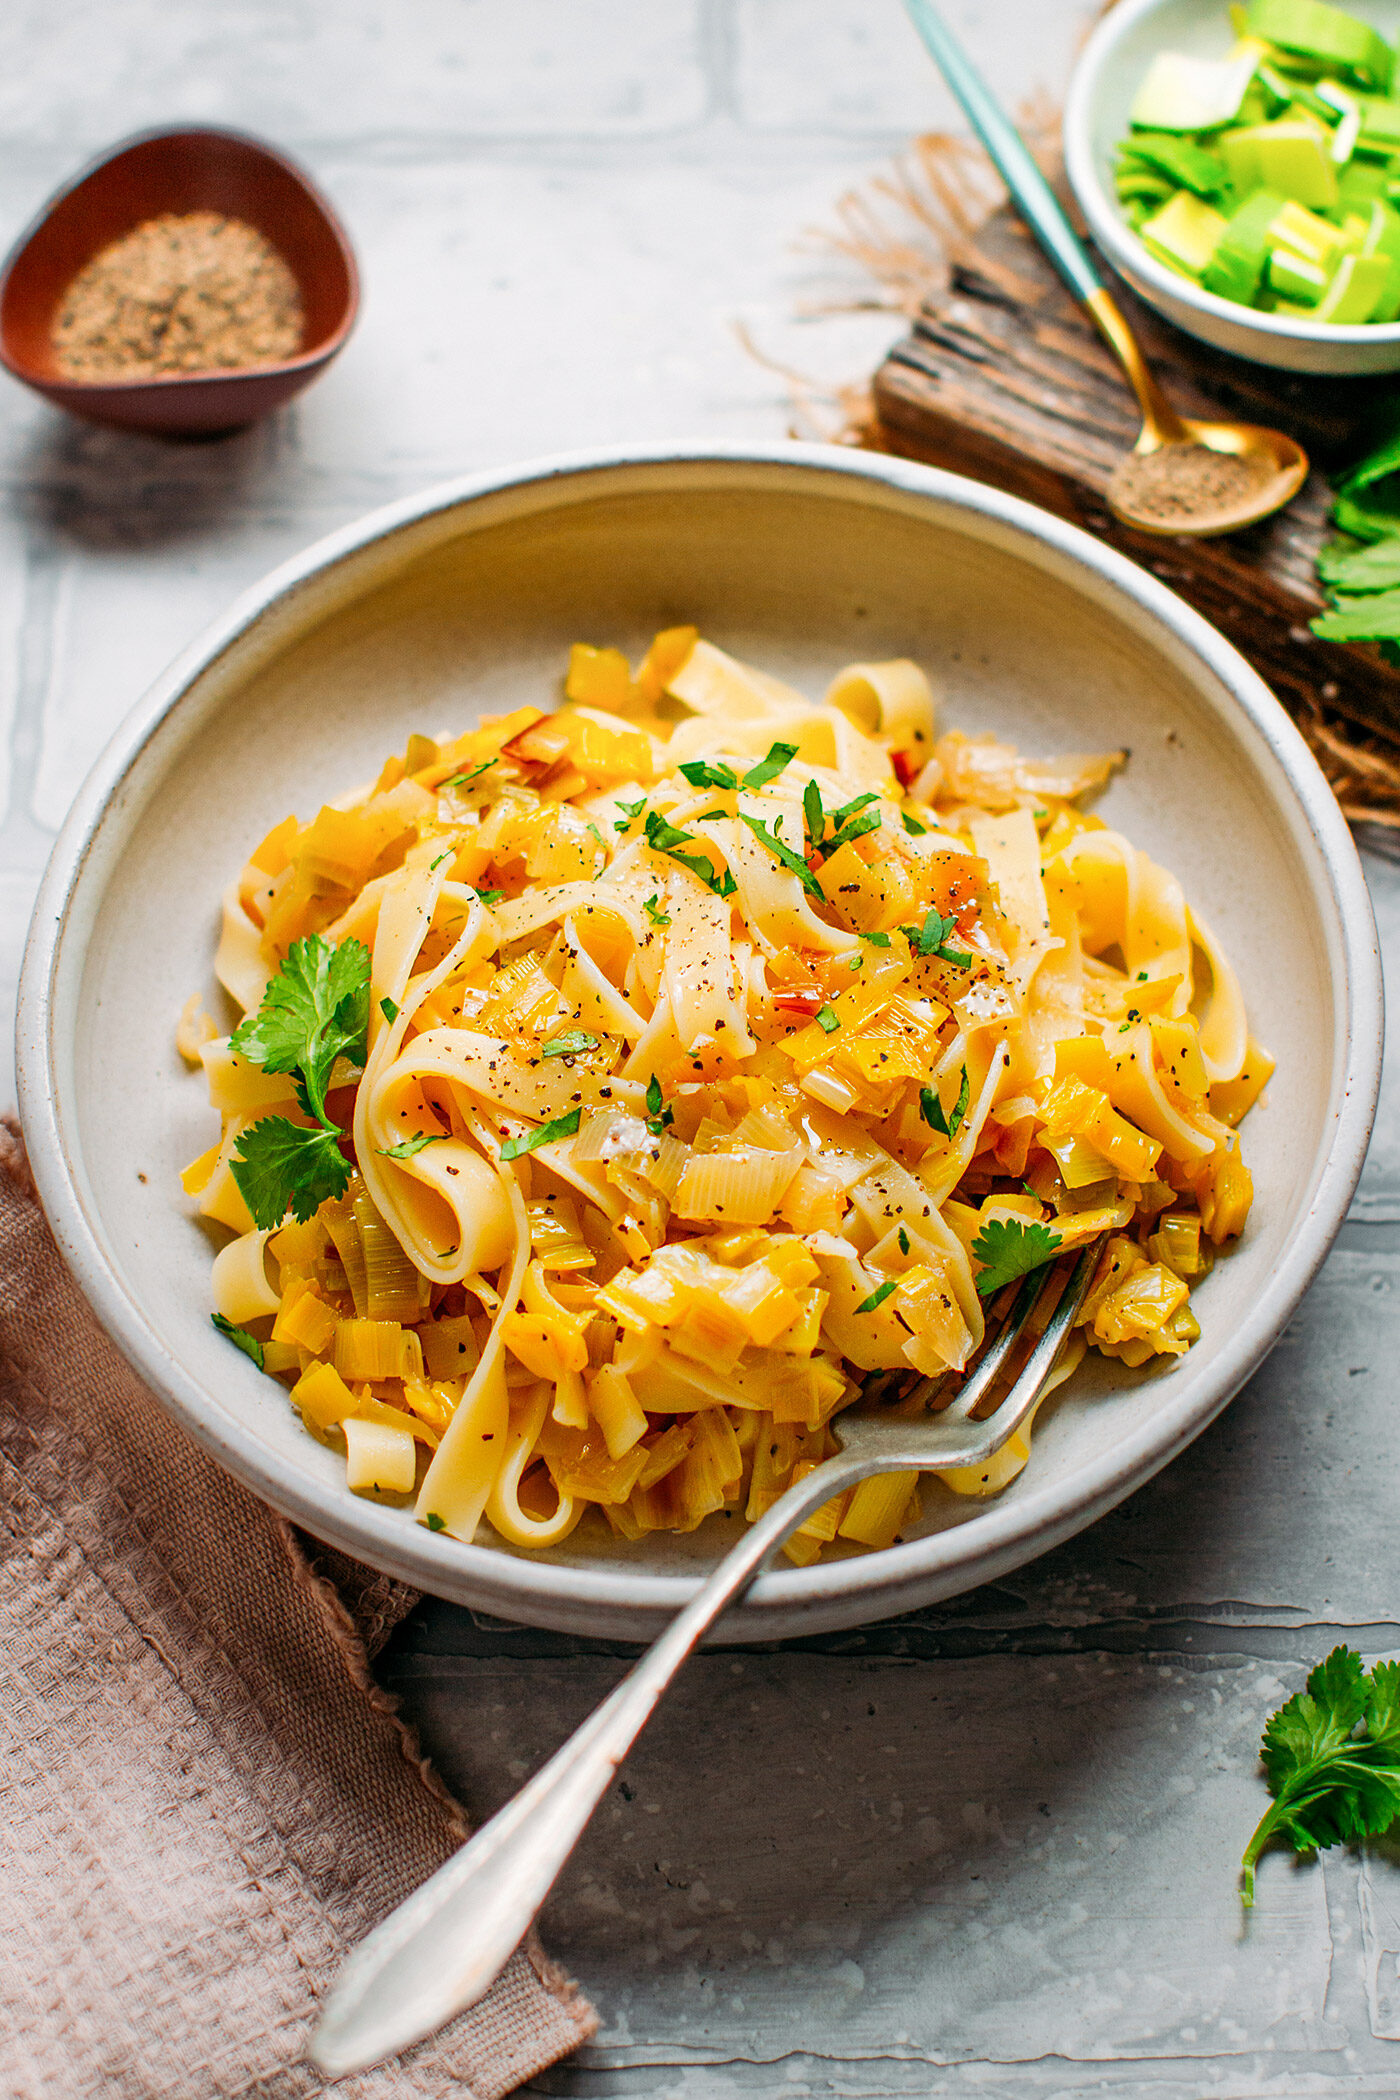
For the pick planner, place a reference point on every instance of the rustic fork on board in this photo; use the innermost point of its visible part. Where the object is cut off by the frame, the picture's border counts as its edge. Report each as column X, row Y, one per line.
column 443, row 1948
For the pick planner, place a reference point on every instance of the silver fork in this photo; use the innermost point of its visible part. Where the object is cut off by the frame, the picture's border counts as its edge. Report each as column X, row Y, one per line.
column 444, row 1947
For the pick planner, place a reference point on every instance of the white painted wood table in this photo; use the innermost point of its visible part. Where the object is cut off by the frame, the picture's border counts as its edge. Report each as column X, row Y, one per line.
column 988, row 1850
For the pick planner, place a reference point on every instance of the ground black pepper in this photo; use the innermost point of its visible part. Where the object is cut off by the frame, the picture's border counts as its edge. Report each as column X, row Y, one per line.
column 1185, row 481
column 186, row 292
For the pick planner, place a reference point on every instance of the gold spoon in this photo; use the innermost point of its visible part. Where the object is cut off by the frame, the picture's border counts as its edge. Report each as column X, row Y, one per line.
column 1276, row 465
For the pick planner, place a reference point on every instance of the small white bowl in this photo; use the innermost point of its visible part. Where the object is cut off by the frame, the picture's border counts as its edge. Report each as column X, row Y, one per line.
column 800, row 558
column 1101, row 93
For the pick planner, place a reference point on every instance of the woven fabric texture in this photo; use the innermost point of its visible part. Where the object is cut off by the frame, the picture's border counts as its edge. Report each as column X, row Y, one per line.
column 208, row 1800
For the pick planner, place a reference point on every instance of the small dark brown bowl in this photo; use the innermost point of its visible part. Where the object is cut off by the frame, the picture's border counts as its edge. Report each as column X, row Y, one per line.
column 195, row 168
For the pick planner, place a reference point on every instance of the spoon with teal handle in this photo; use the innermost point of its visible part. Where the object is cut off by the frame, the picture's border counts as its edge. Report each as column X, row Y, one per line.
column 1278, row 466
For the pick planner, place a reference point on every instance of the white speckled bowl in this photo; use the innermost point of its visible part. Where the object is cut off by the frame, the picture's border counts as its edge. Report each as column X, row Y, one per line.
column 1101, row 93
column 800, row 557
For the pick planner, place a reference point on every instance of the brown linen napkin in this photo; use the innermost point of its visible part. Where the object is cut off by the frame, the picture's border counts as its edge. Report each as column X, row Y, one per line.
column 207, row 1798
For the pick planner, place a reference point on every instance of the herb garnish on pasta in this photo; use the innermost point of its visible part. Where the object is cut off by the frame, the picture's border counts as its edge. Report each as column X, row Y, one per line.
column 621, row 1086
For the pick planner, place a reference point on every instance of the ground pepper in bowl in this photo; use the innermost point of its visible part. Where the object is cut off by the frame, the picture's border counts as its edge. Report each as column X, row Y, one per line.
column 185, row 292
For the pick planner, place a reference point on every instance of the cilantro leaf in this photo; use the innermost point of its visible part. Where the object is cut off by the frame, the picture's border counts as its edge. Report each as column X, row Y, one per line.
column 434, row 1521
column 903, row 1241
column 915, row 830
column 314, row 1009
column 630, row 813
column 465, row 779
column 408, row 1147
column 701, row 774
column 931, row 1108
column 779, row 755
column 932, row 939
column 658, row 1114
column 490, row 897
column 1008, row 1248
column 827, row 1019
column 666, row 838
column 240, row 1337
column 876, row 940
column 390, row 1010
column 450, row 854
column 780, row 852
column 855, row 829
column 652, row 907
column 570, row 1045
column 1331, row 1758
column 813, row 815
column 561, row 1127
column 878, row 1295
column 279, row 1166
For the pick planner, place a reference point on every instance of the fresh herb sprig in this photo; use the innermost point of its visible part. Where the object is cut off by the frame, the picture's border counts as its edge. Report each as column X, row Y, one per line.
column 240, row 1337
column 561, row 1127
column 931, row 1108
column 714, row 773
column 932, row 939
column 315, row 1010
column 1331, row 1758
column 1008, row 1248
column 669, row 838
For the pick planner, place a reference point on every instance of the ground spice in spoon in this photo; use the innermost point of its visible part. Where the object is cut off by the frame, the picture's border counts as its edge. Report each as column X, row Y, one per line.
column 187, row 292
column 1182, row 482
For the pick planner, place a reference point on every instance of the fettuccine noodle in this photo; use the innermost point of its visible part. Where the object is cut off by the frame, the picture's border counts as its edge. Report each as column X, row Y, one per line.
column 720, row 1043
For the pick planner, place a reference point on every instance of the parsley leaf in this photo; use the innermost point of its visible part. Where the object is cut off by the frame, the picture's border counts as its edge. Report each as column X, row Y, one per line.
column 240, row 1337
column 408, row 1147
column 813, row 815
column 464, row 779
column 315, row 1008
column 434, row 1521
column 931, row 1108
column 701, row 774
column 576, row 1040
column 450, row 854
column 790, row 860
column 932, row 939
column 658, row 1115
column 490, row 897
column 1008, row 1248
column 666, row 838
column 652, row 907
column 779, row 755
column 389, row 1010
column 877, row 940
column 903, row 1241
column 827, row 1020
column 279, row 1166
column 878, row 1295
column 561, row 1127
column 630, row 813
column 915, row 831
column 1329, row 1783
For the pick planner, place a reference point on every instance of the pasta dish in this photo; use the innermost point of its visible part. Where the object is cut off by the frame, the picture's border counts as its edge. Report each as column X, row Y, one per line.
column 624, row 1089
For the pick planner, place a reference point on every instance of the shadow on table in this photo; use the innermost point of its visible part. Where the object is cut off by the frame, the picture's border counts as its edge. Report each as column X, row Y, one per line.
column 110, row 488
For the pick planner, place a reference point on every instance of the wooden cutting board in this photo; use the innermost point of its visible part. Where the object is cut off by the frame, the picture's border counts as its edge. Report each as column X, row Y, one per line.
column 1005, row 378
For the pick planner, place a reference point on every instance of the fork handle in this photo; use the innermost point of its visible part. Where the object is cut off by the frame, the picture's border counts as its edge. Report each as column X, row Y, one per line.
column 443, row 1948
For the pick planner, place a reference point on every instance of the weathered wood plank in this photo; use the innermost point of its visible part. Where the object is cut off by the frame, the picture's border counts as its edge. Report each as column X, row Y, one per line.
column 1005, row 378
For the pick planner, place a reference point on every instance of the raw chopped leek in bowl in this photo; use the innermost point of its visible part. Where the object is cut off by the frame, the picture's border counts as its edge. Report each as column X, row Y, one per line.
column 1241, row 167
column 623, row 1088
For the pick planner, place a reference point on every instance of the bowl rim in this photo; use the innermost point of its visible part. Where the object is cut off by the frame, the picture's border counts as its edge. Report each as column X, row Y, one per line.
column 216, row 375
column 1117, row 239
column 1004, row 1534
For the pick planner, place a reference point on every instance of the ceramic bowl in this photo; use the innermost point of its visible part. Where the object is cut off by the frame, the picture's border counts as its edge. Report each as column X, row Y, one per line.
column 799, row 558
column 196, row 168
column 1100, row 95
